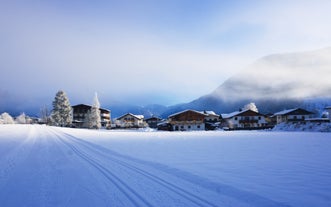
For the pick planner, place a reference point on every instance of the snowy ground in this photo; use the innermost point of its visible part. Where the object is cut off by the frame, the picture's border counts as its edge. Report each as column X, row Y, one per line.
column 48, row 166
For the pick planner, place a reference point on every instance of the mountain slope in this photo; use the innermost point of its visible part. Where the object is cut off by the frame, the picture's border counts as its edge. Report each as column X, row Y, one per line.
column 273, row 82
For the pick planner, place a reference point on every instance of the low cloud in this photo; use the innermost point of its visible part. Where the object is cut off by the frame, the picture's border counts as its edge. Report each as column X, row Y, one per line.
column 45, row 48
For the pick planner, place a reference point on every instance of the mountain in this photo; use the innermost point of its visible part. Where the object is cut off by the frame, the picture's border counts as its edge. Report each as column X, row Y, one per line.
column 119, row 109
column 273, row 83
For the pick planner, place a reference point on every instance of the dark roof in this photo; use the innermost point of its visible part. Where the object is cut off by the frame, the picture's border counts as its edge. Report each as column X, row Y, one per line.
column 247, row 112
column 296, row 111
column 87, row 106
column 181, row 112
column 153, row 118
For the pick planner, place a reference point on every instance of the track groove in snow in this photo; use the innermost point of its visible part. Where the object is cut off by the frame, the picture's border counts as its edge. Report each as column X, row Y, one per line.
column 120, row 184
column 136, row 167
column 196, row 199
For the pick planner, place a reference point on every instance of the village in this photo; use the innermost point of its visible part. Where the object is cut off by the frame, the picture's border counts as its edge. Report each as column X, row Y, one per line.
column 192, row 120
column 247, row 118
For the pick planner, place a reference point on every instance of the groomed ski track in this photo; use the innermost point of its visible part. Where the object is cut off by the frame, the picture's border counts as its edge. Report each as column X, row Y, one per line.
column 50, row 167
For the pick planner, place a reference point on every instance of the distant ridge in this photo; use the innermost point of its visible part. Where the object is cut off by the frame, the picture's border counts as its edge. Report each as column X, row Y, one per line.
column 274, row 83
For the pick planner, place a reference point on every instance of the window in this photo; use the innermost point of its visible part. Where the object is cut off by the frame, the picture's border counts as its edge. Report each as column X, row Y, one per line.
column 259, row 118
column 236, row 118
column 198, row 126
column 189, row 126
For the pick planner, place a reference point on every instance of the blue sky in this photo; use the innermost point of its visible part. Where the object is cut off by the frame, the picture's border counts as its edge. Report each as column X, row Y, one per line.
column 141, row 52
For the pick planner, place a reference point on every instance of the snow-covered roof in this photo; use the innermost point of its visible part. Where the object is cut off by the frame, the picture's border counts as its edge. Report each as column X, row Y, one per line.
column 209, row 113
column 134, row 115
column 284, row 112
column 139, row 116
column 175, row 114
column 232, row 114
column 328, row 107
column 86, row 105
column 236, row 113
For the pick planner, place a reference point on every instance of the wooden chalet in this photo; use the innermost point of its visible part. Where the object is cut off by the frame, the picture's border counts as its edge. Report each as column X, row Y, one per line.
column 80, row 112
column 246, row 119
column 293, row 115
column 187, row 120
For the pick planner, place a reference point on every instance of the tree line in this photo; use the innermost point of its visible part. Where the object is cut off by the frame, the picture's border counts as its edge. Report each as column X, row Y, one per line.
column 61, row 114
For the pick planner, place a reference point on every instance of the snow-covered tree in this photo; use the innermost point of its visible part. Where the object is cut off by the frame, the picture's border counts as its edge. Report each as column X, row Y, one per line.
column 94, row 116
column 45, row 115
column 21, row 119
column 62, row 111
column 6, row 118
column 251, row 106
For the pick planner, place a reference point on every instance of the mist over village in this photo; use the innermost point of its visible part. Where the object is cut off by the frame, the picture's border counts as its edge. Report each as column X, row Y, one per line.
column 165, row 103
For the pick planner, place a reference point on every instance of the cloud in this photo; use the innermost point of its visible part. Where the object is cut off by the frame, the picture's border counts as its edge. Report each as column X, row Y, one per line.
column 292, row 75
column 125, row 51
column 57, row 51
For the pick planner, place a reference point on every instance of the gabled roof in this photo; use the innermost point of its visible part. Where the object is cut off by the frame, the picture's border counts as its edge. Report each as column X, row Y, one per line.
column 88, row 106
column 291, row 111
column 153, row 117
column 238, row 113
column 187, row 111
column 136, row 116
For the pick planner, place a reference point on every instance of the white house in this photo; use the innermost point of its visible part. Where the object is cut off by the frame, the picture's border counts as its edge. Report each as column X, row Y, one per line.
column 246, row 119
column 211, row 116
column 329, row 111
column 212, row 120
column 130, row 121
column 293, row 115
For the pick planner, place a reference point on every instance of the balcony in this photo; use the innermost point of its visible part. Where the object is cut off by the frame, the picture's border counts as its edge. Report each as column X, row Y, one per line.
column 252, row 121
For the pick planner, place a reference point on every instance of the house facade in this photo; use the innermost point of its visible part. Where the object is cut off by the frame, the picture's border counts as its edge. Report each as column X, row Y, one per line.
column 293, row 115
column 212, row 120
column 188, row 120
column 211, row 116
column 80, row 113
column 153, row 121
column 329, row 111
column 130, row 121
column 246, row 119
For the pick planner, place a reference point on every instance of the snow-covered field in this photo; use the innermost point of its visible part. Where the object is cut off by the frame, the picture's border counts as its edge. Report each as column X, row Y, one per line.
column 48, row 166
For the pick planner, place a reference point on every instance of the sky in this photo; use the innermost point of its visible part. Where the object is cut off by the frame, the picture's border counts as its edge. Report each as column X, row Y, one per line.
column 143, row 52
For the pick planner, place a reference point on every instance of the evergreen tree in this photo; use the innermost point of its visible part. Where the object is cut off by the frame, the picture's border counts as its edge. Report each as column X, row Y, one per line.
column 45, row 115
column 94, row 116
column 61, row 114
column 21, row 119
column 6, row 118
column 87, row 122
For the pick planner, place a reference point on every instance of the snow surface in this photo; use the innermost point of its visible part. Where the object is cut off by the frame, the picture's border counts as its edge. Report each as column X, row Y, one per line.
column 308, row 126
column 49, row 166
